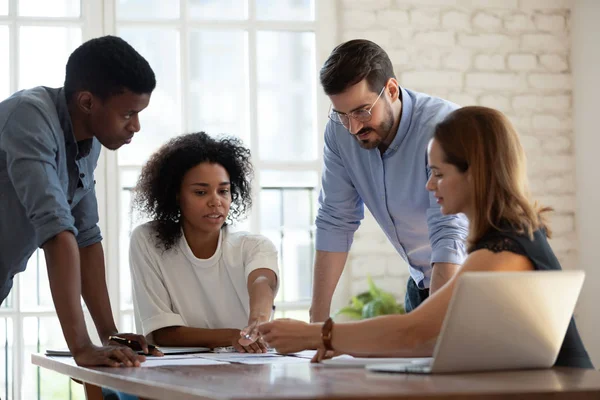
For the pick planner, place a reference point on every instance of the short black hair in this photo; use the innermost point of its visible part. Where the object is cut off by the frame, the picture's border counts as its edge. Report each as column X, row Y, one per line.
column 107, row 66
column 353, row 61
column 158, row 186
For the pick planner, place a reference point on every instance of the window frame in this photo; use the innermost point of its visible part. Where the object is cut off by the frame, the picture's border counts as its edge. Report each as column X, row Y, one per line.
column 108, row 190
column 90, row 27
column 97, row 18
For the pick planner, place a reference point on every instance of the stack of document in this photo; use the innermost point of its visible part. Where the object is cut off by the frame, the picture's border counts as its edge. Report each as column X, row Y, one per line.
column 165, row 350
column 188, row 356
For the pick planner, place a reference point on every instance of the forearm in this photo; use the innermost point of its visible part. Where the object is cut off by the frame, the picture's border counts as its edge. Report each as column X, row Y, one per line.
column 441, row 273
column 327, row 271
column 262, row 293
column 64, row 274
column 186, row 336
column 386, row 336
column 408, row 335
column 94, row 290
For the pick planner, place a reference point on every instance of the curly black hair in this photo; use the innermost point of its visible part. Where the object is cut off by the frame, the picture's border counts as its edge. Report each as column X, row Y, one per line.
column 155, row 194
column 107, row 66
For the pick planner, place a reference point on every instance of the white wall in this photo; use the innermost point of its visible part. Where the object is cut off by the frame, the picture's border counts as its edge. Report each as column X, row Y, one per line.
column 585, row 58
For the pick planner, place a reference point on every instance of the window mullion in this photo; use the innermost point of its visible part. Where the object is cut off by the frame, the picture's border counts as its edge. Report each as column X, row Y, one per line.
column 92, row 25
column 109, row 17
column 184, row 52
column 253, row 104
column 326, row 36
column 13, row 57
column 17, row 325
column 109, row 185
column 18, row 341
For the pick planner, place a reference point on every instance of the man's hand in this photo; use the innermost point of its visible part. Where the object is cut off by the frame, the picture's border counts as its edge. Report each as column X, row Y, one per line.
column 110, row 356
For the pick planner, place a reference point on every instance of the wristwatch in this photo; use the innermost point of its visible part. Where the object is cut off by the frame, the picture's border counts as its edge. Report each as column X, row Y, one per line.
column 326, row 334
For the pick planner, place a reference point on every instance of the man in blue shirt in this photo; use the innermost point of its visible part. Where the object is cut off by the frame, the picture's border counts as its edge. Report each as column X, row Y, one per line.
column 376, row 155
column 50, row 141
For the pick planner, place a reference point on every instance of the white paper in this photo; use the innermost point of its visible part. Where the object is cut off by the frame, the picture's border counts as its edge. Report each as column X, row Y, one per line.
column 253, row 358
column 304, row 354
column 182, row 359
column 231, row 349
column 172, row 357
column 179, row 350
column 178, row 361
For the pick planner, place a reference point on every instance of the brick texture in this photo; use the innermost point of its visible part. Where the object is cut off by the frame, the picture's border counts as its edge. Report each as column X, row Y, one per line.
column 507, row 54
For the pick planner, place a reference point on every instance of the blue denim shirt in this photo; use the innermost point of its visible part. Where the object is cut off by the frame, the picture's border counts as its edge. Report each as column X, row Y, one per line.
column 392, row 186
column 46, row 179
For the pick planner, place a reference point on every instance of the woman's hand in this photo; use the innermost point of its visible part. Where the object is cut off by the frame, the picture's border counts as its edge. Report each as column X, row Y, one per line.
column 257, row 346
column 323, row 354
column 251, row 340
column 290, row 336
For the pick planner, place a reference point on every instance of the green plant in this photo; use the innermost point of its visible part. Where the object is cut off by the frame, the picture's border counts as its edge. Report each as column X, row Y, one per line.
column 371, row 303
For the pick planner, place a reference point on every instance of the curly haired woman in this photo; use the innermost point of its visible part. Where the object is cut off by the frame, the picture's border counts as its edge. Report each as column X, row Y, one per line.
column 195, row 282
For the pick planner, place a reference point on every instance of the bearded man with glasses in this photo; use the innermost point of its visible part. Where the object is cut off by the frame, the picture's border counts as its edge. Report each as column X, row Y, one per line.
column 375, row 154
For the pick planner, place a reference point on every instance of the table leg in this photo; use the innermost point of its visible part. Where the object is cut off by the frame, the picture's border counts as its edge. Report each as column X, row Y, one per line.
column 92, row 392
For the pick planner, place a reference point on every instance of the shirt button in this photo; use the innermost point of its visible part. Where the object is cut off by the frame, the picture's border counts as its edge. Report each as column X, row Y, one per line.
column 82, row 175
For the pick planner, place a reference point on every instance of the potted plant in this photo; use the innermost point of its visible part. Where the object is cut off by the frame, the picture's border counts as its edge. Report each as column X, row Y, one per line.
column 371, row 303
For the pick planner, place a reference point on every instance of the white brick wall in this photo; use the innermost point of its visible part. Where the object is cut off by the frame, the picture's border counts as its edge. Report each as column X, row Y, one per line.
column 508, row 54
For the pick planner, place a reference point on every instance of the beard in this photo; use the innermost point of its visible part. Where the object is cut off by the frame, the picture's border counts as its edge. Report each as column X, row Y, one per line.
column 382, row 131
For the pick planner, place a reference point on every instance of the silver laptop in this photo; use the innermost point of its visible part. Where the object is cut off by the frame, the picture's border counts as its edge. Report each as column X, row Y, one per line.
column 500, row 321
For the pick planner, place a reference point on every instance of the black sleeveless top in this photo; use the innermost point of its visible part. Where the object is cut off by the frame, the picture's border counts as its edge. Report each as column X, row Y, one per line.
column 572, row 352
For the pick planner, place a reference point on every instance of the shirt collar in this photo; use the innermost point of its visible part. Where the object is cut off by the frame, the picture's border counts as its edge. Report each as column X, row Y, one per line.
column 83, row 147
column 201, row 262
column 405, row 121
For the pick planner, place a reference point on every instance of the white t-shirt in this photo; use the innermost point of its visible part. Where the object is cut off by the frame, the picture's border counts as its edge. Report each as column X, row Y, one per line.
column 174, row 288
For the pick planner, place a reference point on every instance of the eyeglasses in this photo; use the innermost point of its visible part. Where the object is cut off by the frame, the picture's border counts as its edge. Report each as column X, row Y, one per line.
column 361, row 115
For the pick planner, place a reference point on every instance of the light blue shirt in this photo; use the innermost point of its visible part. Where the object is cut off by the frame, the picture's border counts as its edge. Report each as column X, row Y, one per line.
column 392, row 186
column 46, row 179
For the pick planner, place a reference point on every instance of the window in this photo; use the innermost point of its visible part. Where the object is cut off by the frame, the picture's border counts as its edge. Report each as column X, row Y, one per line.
column 36, row 33
column 241, row 67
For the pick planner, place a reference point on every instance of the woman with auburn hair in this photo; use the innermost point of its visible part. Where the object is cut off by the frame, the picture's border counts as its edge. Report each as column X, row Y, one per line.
column 477, row 168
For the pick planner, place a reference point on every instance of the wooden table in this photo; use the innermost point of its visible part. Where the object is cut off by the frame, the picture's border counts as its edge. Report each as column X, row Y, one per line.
column 310, row 381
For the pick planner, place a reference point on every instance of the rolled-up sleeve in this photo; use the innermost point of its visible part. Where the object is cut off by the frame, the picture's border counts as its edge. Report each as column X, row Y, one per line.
column 151, row 298
column 259, row 253
column 31, row 148
column 86, row 220
column 447, row 235
column 340, row 207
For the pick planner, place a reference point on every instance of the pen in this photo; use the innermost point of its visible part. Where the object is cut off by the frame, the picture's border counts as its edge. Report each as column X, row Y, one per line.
column 272, row 313
column 132, row 344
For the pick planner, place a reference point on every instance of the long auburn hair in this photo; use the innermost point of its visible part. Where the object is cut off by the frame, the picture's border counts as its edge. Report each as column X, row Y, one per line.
column 483, row 141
